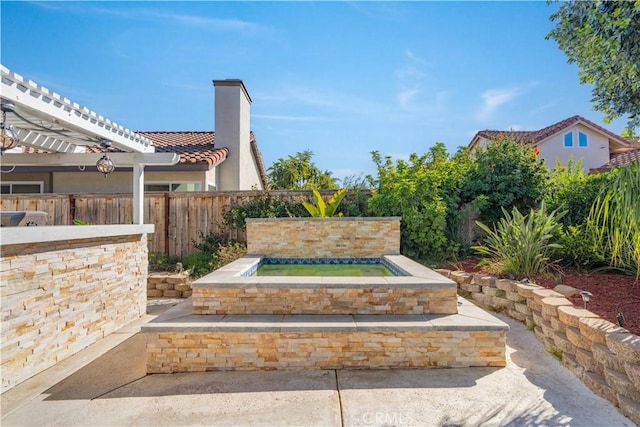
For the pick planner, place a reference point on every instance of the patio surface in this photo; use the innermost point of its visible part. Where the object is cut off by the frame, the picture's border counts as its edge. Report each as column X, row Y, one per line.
column 106, row 384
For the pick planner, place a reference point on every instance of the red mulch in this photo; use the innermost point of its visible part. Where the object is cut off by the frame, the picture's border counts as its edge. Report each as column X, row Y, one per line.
column 612, row 293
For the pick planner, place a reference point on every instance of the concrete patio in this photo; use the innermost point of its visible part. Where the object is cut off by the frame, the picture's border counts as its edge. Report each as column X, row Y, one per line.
column 106, row 384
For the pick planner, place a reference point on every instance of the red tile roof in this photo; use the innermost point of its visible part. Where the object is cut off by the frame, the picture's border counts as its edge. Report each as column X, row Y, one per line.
column 533, row 137
column 622, row 158
column 193, row 147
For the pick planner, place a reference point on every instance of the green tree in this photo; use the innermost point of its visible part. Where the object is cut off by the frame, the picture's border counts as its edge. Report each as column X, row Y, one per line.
column 424, row 191
column 603, row 39
column 504, row 174
column 299, row 172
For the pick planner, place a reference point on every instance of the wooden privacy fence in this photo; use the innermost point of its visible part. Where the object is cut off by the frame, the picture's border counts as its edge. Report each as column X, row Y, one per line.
column 179, row 218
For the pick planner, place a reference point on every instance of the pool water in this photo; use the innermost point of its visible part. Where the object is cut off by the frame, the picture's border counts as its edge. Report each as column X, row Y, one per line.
column 335, row 270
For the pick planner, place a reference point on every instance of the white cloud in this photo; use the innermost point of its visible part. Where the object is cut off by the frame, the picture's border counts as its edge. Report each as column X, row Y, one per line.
column 494, row 98
column 406, row 97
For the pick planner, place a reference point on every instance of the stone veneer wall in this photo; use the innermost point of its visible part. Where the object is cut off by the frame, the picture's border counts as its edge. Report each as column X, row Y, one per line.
column 224, row 350
column 59, row 297
column 329, row 300
column 603, row 355
column 323, row 237
column 169, row 285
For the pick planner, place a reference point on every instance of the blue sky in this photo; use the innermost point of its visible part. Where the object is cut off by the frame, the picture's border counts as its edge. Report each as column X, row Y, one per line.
column 338, row 78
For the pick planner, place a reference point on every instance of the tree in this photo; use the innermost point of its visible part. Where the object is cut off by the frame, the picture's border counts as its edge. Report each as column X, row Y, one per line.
column 603, row 39
column 505, row 174
column 299, row 172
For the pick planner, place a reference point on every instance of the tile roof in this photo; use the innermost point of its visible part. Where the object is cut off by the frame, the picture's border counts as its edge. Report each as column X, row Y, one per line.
column 622, row 158
column 193, row 147
column 533, row 137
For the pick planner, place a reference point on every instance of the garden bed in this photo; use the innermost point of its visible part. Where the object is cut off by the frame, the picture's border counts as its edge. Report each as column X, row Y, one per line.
column 612, row 293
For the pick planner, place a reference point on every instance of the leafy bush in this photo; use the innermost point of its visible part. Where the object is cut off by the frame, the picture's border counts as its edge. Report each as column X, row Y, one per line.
column 322, row 209
column 212, row 253
column 571, row 190
column 519, row 244
column 262, row 205
column 504, row 174
column 229, row 253
column 161, row 262
column 578, row 247
column 425, row 192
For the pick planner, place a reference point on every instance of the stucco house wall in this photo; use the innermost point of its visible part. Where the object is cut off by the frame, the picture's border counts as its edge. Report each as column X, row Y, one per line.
column 594, row 155
column 118, row 182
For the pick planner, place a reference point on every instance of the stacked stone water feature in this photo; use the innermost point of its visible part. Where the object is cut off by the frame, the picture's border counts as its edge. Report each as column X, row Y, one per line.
column 238, row 321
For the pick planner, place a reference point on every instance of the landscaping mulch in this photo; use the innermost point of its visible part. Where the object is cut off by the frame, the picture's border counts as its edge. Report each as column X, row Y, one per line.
column 612, row 293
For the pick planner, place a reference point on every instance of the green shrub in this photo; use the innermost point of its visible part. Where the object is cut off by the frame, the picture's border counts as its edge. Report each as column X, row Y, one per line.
column 229, row 253
column 212, row 254
column 424, row 191
column 262, row 205
column 520, row 244
column 505, row 174
column 161, row 262
column 578, row 247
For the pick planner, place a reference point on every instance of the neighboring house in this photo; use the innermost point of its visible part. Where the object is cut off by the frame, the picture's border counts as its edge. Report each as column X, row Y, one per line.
column 226, row 160
column 574, row 138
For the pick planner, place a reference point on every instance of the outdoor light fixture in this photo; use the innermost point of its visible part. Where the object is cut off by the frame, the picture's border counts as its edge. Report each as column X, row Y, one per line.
column 586, row 296
column 105, row 164
column 9, row 137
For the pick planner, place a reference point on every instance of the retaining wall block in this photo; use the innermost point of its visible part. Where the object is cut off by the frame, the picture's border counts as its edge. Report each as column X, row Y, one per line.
column 522, row 308
column 154, row 293
column 526, row 290
column 598, row 385
column 561, row 342
column 570, row 362
column 577, row 339
column 514, row 296
column 597, row 330
column 571, row 315
column 517, row 315
column 621, row 384
column 165, row 286
column 630, row 408
column 625, row 345
column 484, row 280
column 586, row 359
column 608, row 359
column 633, row 372
column 557, row 324
column 542, row 293
column 550, row 306
column 470, row 287
column 461, row 277
column 507, row 285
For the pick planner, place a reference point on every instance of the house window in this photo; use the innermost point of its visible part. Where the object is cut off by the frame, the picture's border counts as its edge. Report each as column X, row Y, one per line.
column 582, row 140
column 568, row 139
column 172, row 186
column 28, row 187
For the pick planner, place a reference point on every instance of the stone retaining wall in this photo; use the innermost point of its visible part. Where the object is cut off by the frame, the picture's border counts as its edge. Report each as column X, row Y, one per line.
column 198, row 352
column 59, row 297
column 330, row 237
column 168, row 285
column 603, row 355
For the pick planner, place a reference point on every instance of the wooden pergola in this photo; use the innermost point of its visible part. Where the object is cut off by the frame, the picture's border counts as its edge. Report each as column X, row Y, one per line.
column 61, row 130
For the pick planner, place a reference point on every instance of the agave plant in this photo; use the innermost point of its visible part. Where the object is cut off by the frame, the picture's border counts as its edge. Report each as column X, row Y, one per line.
column 323, row 209
column 519, row 244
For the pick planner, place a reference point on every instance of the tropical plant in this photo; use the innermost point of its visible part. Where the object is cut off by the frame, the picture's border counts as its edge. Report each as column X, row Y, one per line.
column 505, row 174
column 299, row 173
column 615, row 216
column 520, row 244
column 602, row 38
column 322, row 209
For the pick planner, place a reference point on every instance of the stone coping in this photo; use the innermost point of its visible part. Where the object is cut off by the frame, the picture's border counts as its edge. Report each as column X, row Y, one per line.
column 335, row 218
column 231, row 276
column 181, row 319
column 53, row 233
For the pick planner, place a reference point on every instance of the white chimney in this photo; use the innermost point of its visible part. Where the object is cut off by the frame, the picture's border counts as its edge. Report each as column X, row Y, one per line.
column 232, row 129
